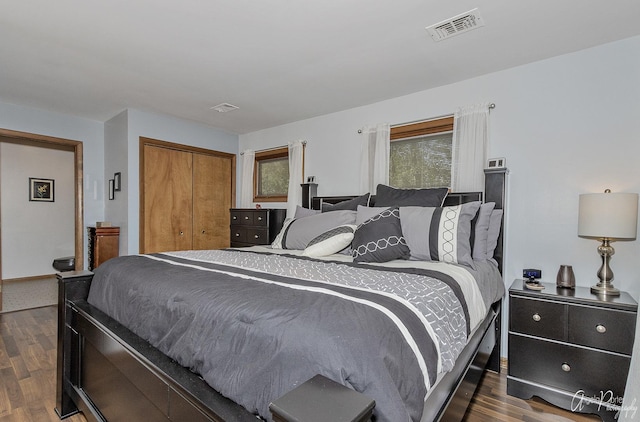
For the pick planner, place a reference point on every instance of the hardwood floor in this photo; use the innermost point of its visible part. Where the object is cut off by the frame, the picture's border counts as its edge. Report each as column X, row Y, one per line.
column 28, row 368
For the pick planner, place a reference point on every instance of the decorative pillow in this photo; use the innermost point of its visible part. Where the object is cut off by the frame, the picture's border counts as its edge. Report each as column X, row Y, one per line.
column 495, row 223
column 304, row 212
column 351, row 204
column 386, row 196
column 330, row 242
column 299, row 232
column 379, row 239
column 480, row 231
column 440, row 233
column 365, row 213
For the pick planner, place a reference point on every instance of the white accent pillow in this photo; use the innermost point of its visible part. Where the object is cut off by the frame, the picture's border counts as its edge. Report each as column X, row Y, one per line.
column 331, row 241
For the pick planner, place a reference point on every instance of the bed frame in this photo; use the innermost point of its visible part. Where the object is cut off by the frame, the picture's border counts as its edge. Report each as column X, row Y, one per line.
column 108, row 373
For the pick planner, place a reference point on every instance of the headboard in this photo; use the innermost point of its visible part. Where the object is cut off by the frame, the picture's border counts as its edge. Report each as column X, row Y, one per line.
column 494, row 191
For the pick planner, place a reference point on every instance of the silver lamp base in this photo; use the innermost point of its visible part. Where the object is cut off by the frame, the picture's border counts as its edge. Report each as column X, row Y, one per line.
column 605, row 290
column 605, row 287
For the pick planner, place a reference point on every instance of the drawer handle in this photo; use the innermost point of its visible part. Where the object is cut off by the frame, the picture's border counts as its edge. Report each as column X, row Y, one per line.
column 259, row 218
column 256, row 236
column 601, row 328
column 237, row 234
column 536, row 317
column 234, row 217
column 246, row 217
column 566, row 367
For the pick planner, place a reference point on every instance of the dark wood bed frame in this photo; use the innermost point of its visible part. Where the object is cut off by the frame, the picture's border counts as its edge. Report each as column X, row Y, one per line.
column 108, row 373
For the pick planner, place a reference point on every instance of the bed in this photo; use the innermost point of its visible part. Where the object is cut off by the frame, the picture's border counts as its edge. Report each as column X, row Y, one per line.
column 122, row 356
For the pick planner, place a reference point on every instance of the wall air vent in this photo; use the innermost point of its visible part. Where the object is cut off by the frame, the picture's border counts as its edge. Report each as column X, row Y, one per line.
column 224, row 107
column 456, row 25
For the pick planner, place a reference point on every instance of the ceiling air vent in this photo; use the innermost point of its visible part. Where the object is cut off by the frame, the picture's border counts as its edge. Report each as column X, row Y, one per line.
column 456, row 25
column 224, row 107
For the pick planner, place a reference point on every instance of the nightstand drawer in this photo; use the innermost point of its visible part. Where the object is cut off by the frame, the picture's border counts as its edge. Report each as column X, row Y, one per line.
column 538, row 318
column 602, row 328
column 567, row 367
column 260, row 218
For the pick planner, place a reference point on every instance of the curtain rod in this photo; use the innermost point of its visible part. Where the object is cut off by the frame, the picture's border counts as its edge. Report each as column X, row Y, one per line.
column 491, row 107
column 273, row 148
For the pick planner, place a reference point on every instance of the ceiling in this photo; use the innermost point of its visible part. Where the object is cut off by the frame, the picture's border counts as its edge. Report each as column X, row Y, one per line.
column 279, row 61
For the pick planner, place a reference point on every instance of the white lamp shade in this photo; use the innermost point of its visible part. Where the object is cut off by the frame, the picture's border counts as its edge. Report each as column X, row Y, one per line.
column 610, row 215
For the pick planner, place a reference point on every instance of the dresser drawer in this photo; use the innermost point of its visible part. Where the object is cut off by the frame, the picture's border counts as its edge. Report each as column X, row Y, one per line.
column 238, row 233
column 538, row 318
column 567, row 367
column 606, row 329
column 244, row 218
column 257, row 236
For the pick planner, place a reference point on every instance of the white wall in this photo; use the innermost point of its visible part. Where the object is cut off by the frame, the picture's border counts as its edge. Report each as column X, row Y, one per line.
column 35, row 233
column 89, row 132
column 124, row 211
column 566, row 125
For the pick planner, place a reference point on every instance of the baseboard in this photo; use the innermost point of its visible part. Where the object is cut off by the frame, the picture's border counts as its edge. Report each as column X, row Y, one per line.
column 32, row 278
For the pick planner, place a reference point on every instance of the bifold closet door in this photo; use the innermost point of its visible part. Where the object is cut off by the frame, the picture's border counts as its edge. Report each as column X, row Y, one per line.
column 168, row 204
column 211, row 201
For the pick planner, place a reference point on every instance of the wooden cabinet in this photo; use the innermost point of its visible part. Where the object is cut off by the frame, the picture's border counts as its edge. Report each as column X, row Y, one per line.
column 570, row 347
column 251, row 227
column 186, row 195
column 103, row 245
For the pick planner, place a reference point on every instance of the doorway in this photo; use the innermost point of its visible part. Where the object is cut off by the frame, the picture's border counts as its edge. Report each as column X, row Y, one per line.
column 50, row 142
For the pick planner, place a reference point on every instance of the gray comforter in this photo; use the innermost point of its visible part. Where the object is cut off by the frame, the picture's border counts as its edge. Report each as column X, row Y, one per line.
column 255, row 326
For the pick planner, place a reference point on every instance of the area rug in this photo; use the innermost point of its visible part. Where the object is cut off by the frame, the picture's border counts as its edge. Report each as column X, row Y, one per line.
column 20, row 295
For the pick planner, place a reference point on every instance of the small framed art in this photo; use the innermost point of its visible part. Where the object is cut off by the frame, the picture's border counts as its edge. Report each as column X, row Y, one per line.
column 41, row 190
column 112, row 191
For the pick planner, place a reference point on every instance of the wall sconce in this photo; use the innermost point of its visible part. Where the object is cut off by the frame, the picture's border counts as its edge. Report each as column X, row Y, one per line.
column 607, row 217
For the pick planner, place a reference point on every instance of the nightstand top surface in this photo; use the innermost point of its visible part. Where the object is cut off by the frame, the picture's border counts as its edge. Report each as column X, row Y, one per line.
column 581, row 295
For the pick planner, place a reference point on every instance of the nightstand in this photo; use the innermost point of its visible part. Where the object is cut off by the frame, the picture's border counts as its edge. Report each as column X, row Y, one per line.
column 253, row 226
column 570, row 347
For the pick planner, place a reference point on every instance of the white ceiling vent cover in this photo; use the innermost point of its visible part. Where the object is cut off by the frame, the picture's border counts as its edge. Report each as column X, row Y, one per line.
column 224, row 107
column 456, row 25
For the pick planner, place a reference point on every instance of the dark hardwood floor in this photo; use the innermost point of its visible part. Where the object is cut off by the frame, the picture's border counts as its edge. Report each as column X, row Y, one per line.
column 28, row 368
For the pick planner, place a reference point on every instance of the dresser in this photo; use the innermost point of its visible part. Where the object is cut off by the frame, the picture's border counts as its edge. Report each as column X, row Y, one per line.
column 103, row 245
column 570, row 347
column 252, row 226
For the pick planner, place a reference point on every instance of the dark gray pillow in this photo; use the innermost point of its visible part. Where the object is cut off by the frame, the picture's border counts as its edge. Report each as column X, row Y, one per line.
column 440, row 233
column 299, row 232
column 480, row 231
column 379, row 239
column 350, row 204
column 495, row 223
column 386, row 196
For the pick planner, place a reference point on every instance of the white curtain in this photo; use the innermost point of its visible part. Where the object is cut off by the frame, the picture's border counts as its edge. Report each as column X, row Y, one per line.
column 294, row 194
column 374, row 158
column 469, row 149
column 248, row 159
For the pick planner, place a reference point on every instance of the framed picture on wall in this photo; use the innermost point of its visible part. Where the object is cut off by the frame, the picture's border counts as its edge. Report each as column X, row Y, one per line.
column 41, row 190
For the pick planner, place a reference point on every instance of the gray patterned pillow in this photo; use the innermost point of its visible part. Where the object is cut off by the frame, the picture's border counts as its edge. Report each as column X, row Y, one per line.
column 387, row 196
column 297, row 233
column 440, row 233
column 379, row 239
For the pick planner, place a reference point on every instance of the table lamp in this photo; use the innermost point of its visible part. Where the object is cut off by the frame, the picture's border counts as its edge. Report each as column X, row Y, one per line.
column 607, row 217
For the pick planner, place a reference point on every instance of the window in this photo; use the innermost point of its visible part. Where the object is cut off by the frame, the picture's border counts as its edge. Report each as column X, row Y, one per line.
column 271, row 175
column 420, row 154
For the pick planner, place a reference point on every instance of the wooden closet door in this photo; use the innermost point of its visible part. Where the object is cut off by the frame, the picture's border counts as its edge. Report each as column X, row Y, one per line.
column 168, row 208
column 211, row 201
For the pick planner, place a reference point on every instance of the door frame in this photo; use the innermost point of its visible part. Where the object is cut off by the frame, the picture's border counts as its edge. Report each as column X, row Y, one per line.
column 51, row 142
column 179, row 147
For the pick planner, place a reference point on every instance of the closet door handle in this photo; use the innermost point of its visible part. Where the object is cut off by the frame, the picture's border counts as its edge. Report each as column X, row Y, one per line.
column 202, row 231
column 181, row 233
